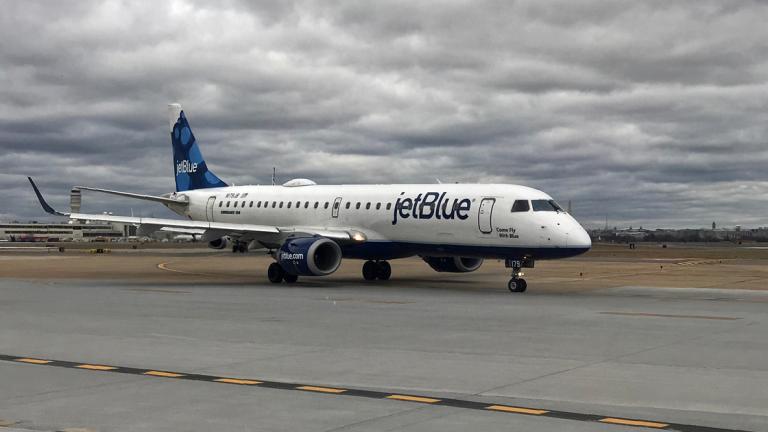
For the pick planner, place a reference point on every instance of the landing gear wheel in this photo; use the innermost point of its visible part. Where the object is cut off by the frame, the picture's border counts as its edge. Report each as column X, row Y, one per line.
column 517, row 285
column 522, row 285
column 290, row 278
column 383, row 270
column 275, row 273
column 369, row 270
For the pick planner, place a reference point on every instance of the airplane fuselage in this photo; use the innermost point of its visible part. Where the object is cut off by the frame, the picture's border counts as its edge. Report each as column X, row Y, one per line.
column 403, row 220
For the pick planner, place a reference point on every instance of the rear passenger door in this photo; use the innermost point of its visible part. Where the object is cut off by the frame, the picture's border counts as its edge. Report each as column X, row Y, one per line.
column 336, row 207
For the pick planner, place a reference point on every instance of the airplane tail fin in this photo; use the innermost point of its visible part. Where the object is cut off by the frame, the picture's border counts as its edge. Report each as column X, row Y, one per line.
column 189, row 168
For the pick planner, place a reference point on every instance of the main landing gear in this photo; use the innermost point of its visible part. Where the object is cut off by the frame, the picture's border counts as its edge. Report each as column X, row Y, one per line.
column 239, row 247
column 276, row 274
column 376, row 270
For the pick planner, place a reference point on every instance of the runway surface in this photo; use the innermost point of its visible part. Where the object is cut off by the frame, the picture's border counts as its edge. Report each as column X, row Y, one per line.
column 110, row 356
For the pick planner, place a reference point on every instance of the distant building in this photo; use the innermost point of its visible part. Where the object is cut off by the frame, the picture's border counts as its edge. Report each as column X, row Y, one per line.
column 33, row 231
column 735, row 234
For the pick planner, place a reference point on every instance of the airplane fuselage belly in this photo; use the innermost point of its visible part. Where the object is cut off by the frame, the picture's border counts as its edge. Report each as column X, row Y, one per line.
column 400, row 220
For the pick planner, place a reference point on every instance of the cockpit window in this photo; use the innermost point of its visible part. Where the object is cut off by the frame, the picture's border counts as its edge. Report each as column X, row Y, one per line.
column 546, row 205
column 521, row 206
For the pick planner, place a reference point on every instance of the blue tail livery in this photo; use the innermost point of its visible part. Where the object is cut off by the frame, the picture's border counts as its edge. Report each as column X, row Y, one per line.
column 189, row 168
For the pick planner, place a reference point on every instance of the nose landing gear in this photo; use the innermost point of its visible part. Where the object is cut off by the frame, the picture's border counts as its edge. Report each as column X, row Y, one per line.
column 517, row 283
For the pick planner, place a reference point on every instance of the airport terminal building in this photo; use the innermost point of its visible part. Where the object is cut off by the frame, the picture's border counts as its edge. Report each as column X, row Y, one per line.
column 42, row 232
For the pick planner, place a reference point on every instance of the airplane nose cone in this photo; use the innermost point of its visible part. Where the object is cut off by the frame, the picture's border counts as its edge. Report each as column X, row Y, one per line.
column 579, row 238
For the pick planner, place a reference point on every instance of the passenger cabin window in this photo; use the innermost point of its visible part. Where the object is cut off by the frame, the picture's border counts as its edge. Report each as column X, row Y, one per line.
column 317, row 204
column 306, row 205
column 326, row 205
column 274, row 204
column 281, row 204
column 227, row 203
column 378, row 206
column 357, row 206
column 251, row 204
column 289, row 204
column 243, row 205
column 367, row 206
column 521, row 206
column 546, row 205
column 389, row 206
column 221, row 203
column 348, row 204
column 258, row 204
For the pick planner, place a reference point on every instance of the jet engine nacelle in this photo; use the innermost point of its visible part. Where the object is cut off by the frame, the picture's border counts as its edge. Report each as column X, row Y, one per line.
column 453, row 264
column 219, row 243
column 309, row 256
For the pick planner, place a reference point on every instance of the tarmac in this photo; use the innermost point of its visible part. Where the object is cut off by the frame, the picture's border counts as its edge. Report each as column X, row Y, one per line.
column 167, row 342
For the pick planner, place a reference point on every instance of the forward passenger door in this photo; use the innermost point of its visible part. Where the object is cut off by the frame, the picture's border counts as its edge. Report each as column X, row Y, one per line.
column 484, row 215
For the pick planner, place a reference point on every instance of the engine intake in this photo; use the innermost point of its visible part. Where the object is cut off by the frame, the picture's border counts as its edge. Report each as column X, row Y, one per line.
column 453, row 264
column 219, row 243
column 309, row 256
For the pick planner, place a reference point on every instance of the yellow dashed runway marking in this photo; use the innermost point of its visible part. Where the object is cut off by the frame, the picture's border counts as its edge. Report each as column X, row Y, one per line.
column 164, row 374
column 321, row 389
column 518, row 410
column 33, row 361
column 237, row 381
column 96, row 367
column 627, row 422
column 413, row 398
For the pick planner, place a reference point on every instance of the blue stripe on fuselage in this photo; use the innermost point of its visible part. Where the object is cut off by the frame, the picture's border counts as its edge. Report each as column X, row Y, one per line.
column 385, row 250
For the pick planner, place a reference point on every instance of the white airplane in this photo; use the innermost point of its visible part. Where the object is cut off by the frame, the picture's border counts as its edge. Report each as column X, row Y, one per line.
column 309, row 228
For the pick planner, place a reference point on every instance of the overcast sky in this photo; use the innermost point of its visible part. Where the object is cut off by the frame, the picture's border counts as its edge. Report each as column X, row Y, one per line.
column 647, row 113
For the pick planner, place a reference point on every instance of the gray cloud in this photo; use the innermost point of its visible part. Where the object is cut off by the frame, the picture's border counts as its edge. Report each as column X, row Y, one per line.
column 650, row 113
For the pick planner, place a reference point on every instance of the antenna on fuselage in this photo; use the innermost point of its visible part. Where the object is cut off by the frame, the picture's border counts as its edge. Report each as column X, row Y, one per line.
column 274, row 176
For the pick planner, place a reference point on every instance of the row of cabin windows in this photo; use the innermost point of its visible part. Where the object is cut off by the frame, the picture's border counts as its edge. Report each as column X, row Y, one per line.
column 367, row 205
column 276, row 204
column 265, row 204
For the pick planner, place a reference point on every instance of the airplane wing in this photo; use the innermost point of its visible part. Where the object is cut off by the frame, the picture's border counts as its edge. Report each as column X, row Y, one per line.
column 271, row 236
column 160, row 199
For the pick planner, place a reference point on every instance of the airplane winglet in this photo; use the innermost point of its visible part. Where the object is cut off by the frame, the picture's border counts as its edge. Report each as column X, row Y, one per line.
column 46, row 207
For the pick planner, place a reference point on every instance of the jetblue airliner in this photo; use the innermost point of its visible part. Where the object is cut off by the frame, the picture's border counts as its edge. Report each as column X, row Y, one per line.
column 308, row 228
